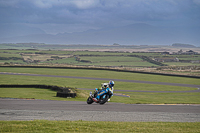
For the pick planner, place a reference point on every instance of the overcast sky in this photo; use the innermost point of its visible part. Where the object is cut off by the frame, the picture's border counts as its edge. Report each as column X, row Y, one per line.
column 59, row 16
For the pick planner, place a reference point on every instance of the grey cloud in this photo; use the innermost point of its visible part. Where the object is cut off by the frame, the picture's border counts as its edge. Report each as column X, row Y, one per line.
column 98, row 13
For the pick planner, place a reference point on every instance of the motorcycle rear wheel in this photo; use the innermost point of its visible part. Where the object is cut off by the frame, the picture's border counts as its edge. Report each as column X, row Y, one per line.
column 89, row 100
column 103, row 99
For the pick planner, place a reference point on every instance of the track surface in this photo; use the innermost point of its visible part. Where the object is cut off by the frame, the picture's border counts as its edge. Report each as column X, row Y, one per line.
column 19, row 109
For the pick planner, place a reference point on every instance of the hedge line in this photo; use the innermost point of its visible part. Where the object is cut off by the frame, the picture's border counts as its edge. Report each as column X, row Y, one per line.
column 62, row 91
column 11, row 58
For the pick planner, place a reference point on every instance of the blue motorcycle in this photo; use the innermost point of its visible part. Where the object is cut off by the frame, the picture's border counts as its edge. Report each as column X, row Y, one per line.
column 100, row 96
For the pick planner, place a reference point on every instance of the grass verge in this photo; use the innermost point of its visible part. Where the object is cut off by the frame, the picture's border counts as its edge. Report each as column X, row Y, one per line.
column 158, row 98
column 103, row 74
column 135, row 97
column 38, row 93
column 87, row 126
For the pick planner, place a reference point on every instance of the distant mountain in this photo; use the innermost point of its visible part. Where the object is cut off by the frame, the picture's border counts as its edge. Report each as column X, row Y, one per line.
column 13, row 30
column 136, row 34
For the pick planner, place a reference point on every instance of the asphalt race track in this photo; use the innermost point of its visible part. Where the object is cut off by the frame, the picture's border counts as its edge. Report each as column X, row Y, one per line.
column 22, row 109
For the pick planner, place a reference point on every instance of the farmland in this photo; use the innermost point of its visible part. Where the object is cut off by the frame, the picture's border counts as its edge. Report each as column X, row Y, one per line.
column 140, row 58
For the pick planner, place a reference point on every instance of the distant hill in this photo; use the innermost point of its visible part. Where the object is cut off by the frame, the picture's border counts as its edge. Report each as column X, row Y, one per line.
column 11, row 30
column 183, row 45
column 135, row 34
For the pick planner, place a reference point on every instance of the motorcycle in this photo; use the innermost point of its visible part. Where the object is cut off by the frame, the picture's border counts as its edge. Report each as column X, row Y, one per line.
column 104, row 95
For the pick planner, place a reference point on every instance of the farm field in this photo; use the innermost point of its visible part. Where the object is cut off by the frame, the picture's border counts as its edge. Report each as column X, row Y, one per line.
column 140, row 61
column 71, row 58
column 134, row 58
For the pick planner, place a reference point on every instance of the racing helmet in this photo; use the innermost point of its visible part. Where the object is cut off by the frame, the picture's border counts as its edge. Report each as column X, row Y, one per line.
column 111, row 83
column 104, row 85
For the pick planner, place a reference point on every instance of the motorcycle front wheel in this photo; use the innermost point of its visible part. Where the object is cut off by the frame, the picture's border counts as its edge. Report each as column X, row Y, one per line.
column 89, row 100
column 103, row 99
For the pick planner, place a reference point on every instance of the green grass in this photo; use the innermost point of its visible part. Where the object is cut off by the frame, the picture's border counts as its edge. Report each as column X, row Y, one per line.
column 38, row 93
column 105, row 61
column 179, row 64
column 70, row 60
column 112, row 59
column 120, row 64
column 34, row 93
column 157, row 98
column 135, row 97
column 13, row 61
column 10, row 55
column 99, row 53
column 41, row 126
column 85, row 83
column 103, row 74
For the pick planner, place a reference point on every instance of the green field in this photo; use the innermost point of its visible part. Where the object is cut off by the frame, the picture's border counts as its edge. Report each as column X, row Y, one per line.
column 38, row 93
column 41, row 126
column 179, row 64
column 102, row 74
column 135, row 97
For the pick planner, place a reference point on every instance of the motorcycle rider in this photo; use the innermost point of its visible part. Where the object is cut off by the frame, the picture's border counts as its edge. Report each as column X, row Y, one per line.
column 109, row 85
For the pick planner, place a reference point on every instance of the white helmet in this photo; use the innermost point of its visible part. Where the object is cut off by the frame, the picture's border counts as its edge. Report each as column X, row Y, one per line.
column 104, row 85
